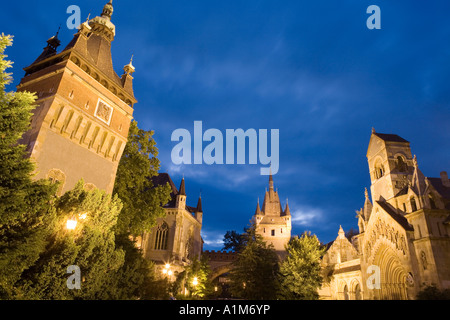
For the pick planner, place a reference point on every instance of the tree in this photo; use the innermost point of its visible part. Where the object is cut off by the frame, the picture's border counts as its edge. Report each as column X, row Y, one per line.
column 254, row 273
column 300, row 272
column 26, row 213
column 90, row 246
column 234, row 241
column 142, row 201
column 195, row 278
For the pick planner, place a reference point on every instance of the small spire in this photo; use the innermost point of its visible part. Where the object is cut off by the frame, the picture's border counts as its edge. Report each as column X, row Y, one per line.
column 287, row 211
column 199, row 203
column 270, row 180
column 182, row 188
column 258, row 209
column 373, row 130
column 129, row 68
column 415, row 162
column 366, row 193
column 341, row 232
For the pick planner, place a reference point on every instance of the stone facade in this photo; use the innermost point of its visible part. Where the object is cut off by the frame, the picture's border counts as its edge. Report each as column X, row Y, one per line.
column 272, row 222
column 176, row 238
column 403, row 243
column 83, row 110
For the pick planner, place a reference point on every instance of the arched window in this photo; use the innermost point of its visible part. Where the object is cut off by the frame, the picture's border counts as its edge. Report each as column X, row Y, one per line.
column 379, row 169
column 346, row 297
column 401, row 164
column 162, row 236
column 413, row 204
column 358, row 292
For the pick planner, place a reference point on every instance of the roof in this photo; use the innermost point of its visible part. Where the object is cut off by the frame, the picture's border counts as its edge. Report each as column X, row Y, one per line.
column 401, row 220
column 437, row 184
column 163, row 178
column 390, row 137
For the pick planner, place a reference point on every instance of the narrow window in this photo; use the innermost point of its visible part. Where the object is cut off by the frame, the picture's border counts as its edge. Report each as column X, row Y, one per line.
column 413, row 204
column 272, row 232
column 161, row 237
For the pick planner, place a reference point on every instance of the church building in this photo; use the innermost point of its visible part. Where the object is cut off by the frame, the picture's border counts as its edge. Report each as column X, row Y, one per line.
column 175, row 240
column 403, row 243
column 83, row 109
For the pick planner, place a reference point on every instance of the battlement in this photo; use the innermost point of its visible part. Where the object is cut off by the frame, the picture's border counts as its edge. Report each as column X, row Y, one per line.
column 220, row 255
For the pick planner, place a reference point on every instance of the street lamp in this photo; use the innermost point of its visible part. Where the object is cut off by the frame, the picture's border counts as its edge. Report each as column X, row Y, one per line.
column 71, row 224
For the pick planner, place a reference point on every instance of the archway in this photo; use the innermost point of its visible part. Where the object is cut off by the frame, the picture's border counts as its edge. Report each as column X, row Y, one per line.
column 392, row 275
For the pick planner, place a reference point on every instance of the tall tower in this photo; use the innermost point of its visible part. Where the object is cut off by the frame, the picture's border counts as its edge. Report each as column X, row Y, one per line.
column 80, row 124
column 391, row 164
column 272, row 222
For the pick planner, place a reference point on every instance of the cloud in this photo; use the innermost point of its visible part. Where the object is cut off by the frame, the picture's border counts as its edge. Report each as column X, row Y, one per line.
column 305, row 216
column 212, row 239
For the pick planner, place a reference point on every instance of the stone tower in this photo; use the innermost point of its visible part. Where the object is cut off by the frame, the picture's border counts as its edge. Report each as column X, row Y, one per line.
column 390, row 164
column 80, row 124
column 272, row 222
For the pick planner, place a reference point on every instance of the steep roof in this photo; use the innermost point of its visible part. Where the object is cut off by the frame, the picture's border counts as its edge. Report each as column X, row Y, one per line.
column 390, row 137
column 396, row 216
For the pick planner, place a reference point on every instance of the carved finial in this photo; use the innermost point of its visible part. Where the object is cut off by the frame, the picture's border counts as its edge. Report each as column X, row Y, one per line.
column 366, row 193
column 373, row 130
column 415, row 161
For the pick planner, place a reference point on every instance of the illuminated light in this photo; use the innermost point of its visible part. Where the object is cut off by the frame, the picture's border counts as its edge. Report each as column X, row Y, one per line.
column 83, row 216
column 71, row 224
column 169, row 272
column 164, row 271
column 167, row 266
column 195, row 281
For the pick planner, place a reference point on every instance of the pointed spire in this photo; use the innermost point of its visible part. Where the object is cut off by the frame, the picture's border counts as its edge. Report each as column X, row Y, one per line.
column 182, row 188
column 129, row 68
column 258, row 209
column 366, row 193
column 270, row 180
column 373, row 130
column 341, row 233
column 287, row 211
column 199, row 204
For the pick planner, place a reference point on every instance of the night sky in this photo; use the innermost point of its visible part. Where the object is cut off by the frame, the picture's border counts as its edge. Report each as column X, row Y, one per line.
column 311, row 69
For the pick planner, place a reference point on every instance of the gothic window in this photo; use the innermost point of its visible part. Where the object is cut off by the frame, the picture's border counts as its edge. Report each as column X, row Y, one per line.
column 272, row 232
column 413, row 204
column 346, row 297
column 161, row 237
column 379, row 170
column 401, row 164
column 358, row 292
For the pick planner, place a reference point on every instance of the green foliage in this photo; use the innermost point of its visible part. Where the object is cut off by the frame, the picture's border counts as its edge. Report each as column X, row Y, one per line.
column 26, row 212
column 234, row 241
column 254, row 273
column 90, row 246
column 300, row 272
column 433, row 293
column 195, row 279
column 142, row 202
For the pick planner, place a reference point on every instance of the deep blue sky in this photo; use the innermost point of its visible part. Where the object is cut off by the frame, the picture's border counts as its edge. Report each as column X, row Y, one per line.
column 311, row 69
